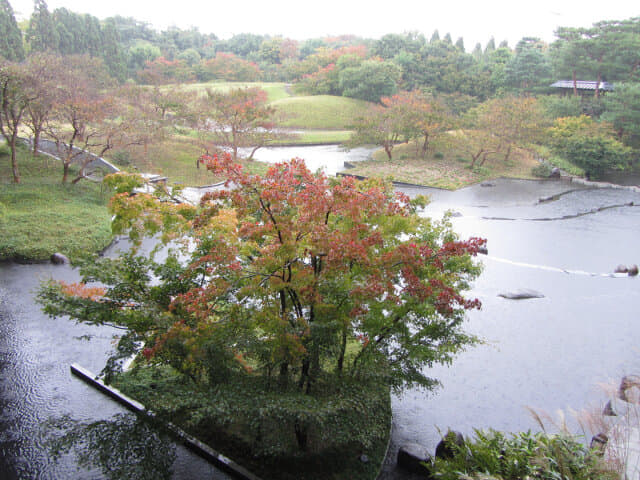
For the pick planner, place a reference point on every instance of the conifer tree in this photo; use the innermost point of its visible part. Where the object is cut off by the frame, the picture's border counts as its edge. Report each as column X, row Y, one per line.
column 10, row 36
column 41, row 34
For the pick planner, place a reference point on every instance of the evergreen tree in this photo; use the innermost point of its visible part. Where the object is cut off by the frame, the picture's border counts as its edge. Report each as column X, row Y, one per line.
column 491, row 46
column 41, row 34
column 477, row 52
column 112, row 52
column 10, row 35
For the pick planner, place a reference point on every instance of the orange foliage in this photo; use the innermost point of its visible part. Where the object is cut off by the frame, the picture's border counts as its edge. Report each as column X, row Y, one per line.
column 82, row 290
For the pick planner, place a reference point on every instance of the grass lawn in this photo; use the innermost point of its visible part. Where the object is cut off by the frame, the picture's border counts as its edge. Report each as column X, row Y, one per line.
column 40, row 216
column 320, row 137
column 275, row 90
column 446, row 166
column 320, row 111
column 176, row 158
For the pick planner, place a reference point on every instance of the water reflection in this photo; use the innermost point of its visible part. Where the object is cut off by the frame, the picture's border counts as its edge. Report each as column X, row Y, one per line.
column 329, row 158
column 36, row 384
column 125, row 446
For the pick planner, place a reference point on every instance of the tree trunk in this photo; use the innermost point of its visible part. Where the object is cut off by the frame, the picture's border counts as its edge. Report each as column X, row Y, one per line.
column 508, row 153
column 597, row 94
column 304, row 374
column 301, row 436
column 14, row 160
column 250, row 157
column 474, row 158
column 425, row 145
column 36, row 142
column 65, row 174
column 343, row 349
column 575, row 83
column 388, row 147
column 284, row 375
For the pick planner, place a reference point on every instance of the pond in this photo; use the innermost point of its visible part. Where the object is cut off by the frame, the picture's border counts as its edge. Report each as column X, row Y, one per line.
column 546, row 353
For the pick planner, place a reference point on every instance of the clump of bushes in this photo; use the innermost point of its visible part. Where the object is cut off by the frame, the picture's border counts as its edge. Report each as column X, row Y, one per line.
column 542, row 170
column 521, row 456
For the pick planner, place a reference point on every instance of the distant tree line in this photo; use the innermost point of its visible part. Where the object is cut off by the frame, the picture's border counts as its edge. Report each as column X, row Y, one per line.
column 451, row 87
column 607, row 51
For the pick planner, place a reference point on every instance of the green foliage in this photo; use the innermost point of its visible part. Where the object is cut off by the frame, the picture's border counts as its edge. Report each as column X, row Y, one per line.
column 10, row 35
column 41, row 34
column 544, row 152
column 543, row 170
column 557, row 107
column 524, row 455
column 123, row 182
column 123, row 446
column 529, row 68
column 589, row 145
column 260, row 426
column 140, row 53
column 622, row 109
column 370, row 81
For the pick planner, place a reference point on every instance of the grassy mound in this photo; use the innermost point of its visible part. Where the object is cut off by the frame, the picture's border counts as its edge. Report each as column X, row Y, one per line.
column 40, row 216
column 275, row 90
column 320, row 111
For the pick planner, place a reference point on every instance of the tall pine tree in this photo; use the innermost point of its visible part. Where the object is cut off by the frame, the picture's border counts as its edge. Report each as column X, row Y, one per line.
column 41, row 34
column 10, row 36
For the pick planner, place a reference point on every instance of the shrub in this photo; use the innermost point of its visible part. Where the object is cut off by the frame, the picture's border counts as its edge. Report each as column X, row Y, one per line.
column 589, row 145
column 524, row 455
column 542, row 170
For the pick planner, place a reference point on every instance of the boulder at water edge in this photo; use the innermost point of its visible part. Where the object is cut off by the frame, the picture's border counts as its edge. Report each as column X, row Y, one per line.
column 59, row 259
column 414, row 458
column 633, row 270
column 629, row 390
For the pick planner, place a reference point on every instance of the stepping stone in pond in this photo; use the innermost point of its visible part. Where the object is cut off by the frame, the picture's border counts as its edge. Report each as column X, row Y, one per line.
column 521, row 294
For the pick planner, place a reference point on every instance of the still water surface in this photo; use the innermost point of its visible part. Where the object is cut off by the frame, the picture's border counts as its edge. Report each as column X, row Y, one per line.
column 549, row 353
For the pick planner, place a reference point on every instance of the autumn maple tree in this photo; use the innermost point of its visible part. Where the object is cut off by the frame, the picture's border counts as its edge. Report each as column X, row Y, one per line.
column 16, row 93
column 291, row 275
column 235, row 119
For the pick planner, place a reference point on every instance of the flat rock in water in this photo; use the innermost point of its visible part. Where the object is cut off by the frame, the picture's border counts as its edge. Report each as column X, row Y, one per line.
column 521, row 294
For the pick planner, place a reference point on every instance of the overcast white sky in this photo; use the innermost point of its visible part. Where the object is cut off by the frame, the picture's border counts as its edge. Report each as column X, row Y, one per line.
column 474, row 20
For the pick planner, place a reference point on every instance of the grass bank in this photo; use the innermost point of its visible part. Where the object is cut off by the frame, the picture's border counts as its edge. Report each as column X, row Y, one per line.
column 40, row 216
column 320, row 111
column 176, row 158
column 275, row 90
column 447, row 165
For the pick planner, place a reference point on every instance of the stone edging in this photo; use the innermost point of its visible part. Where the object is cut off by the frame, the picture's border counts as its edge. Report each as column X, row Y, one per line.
column 192, row 443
